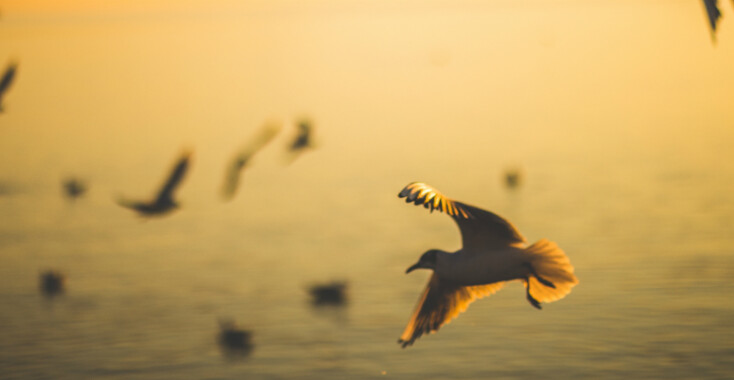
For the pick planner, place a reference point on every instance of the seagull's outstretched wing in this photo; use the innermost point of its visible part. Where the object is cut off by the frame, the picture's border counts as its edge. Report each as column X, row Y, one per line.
column 712, row 10
column 7, row 80
column 8, row 77
column 439, row 304
column 481, row 230
column 238, row 163
column 179, row 171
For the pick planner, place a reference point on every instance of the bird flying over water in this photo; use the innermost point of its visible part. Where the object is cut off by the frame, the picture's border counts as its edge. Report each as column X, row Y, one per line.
column 164, row 202
column 73, row 187
column 7, row 80
column 493, row 252
column 244, row 156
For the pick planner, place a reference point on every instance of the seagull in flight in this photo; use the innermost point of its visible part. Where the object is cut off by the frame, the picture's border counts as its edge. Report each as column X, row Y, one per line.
column 244, row 156
column 493, row 252
column 164, row 202
column 7, row 80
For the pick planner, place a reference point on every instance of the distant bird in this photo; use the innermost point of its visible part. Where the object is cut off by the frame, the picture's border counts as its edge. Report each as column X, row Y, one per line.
column 233, row 338
column 73, row 188
column 52, row 282
column 303, row 140
column 329, row 294
column 714, row 14
column 7, row 80
column 243, row 158
column 513, row 178
column 493, row 253
column 164, row 202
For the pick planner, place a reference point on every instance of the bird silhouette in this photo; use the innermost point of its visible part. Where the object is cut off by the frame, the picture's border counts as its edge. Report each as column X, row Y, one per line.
column 74, row 188
column 302, row 141
column 244, row 157
column 234, row 339
column 7, row 80
column 333, row 293
column 513, row 178
column 52, row 282
column 493, row 252
column 163, row 202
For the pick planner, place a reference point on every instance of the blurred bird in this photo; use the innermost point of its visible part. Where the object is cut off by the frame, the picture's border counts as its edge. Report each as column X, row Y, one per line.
column 233, row 338
column 493, row 253
column 164, row 202
column 7, row 80
column 329, row 294
column 52, row 282
column 303, row 140
column 714, row 14
column 73, row 188
column 245, row 155
column 513, row 177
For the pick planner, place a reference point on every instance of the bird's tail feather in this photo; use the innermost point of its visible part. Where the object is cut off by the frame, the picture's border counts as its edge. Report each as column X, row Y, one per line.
column 550, row 263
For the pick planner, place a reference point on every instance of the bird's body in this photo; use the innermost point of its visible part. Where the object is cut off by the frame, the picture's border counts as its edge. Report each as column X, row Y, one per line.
column 302, row 141
column 478, row 268
column 493, row 253
column 164, row 202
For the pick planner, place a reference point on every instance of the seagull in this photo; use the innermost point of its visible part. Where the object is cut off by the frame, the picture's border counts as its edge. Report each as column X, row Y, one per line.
column 493, row 252
column 712, row 10
column 7, row 80
column 303, row 140
column 163, row 203
column 238, row 163
column 329, row 294
column 74, row 188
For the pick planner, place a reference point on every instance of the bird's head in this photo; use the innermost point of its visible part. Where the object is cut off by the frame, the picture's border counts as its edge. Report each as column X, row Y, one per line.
column 427, row 261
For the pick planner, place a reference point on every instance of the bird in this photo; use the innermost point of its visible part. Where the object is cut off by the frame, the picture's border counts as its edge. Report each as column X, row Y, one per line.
column 164, row 202
column 7, row 80
column 513, row 177
column 333, row 293
column 493, row 252
column 73, row 187
column 233, row 338
column 243, row 158
column 714, row 14
column 52, row 282
column 303, row 140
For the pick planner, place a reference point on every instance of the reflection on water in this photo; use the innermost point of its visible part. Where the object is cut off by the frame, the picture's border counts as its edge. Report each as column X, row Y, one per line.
column 625, row 150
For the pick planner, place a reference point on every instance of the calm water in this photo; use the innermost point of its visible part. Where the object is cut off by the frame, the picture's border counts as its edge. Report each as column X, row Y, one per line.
column 625, row 147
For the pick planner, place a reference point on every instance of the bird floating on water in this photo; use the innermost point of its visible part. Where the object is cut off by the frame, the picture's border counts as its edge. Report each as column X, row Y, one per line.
column 164, row 202
column 7, row 80
column 233, row 338
column 73, row 188
column 333, row 293
column 243, row 158
column 493, row 252
column 52, row 282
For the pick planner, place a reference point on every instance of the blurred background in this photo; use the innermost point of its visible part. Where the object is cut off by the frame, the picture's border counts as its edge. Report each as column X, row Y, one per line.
column 616, row 115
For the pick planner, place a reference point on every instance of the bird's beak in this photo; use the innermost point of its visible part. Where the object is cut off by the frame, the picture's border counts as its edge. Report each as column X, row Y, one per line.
column 413, row 267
